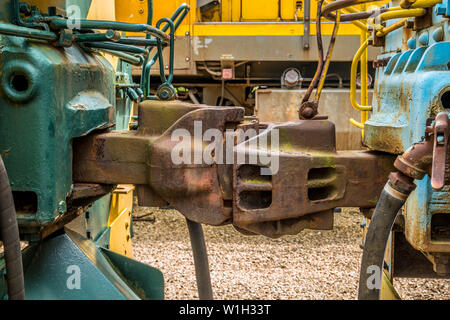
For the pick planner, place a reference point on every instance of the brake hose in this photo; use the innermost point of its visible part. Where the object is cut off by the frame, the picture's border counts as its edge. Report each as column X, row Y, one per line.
column 9, row 234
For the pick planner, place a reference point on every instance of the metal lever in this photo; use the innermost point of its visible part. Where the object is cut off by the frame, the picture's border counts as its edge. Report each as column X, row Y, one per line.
column 440, row 151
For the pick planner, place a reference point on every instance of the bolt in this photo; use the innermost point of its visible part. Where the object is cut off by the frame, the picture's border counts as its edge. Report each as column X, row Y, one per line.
column 439, row 10
column 409, row 24
column 62, row 207
column 187, row 34
column 141, row 11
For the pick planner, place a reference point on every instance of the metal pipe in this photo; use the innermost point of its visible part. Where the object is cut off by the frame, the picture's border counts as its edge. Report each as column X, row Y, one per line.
column 13, row 30
column 177, row 18
column 109, row 35
column 397, row 25
column 193, row 97
column 364, row 75
column 134, row 60
column 403, row 13
column 140, row 42
column 393, row 197
column 372, row 263
column 212, row 73
column 328, row 10
column 9, row 234
column 116, row 47
column 200, row 254
column 406, row 4
column 354, row 70
column 118, row 26
column 328, row 57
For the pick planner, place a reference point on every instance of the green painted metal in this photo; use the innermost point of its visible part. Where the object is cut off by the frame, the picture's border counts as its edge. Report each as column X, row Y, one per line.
column 68, row 94
column 49, row 96
column 103, row 274
column 148, row 282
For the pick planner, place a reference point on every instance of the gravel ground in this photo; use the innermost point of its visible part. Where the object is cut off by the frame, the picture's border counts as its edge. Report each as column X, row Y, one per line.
column 311, row 265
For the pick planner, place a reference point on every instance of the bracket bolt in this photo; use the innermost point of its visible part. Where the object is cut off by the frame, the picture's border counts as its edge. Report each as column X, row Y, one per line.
column 440, row 9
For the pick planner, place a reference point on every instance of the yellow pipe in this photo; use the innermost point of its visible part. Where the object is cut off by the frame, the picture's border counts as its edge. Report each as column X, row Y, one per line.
column 354, row 70
column 357, row 124
column 402, row 13
column 364, row 75
column 359, row 24
column 385, row 30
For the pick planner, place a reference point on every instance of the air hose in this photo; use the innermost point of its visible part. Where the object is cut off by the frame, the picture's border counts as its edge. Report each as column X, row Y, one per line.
column 9, row 234
column 200, row 260
column 392, row 199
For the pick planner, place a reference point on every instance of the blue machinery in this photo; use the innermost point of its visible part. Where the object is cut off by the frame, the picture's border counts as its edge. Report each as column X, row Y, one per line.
column 67, row 140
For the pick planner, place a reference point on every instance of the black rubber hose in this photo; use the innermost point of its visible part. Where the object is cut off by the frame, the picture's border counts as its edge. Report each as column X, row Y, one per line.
column 9, row 234
column 388, row 206
column 200, row 260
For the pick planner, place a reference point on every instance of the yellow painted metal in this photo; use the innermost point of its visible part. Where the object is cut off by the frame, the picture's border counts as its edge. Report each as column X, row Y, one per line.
column 104, row 10
column 120, row 220
column 403, row 13
column 388, row 291
column 364, row 74
column 253, row 18
column 136, row 11
column 266, row 10
column 397, row 25
column 353, row 75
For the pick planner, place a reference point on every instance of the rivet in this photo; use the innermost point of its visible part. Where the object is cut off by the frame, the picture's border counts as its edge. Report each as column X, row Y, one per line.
column 411, row 43
column 62, row 207
column 438, row 35
column 423, row 39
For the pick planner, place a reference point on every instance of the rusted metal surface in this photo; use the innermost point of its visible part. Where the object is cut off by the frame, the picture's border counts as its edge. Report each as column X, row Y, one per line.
column 313, row 178
column 428, row 157
column 143, row 157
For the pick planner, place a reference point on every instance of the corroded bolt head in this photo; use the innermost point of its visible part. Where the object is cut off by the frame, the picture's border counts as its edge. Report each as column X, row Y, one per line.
column 402, row 182
column 308, row 110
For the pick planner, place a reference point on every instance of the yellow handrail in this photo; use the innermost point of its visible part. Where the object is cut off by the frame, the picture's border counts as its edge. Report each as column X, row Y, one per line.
column 357, row 124
column 353, row 73
column 364, row 76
